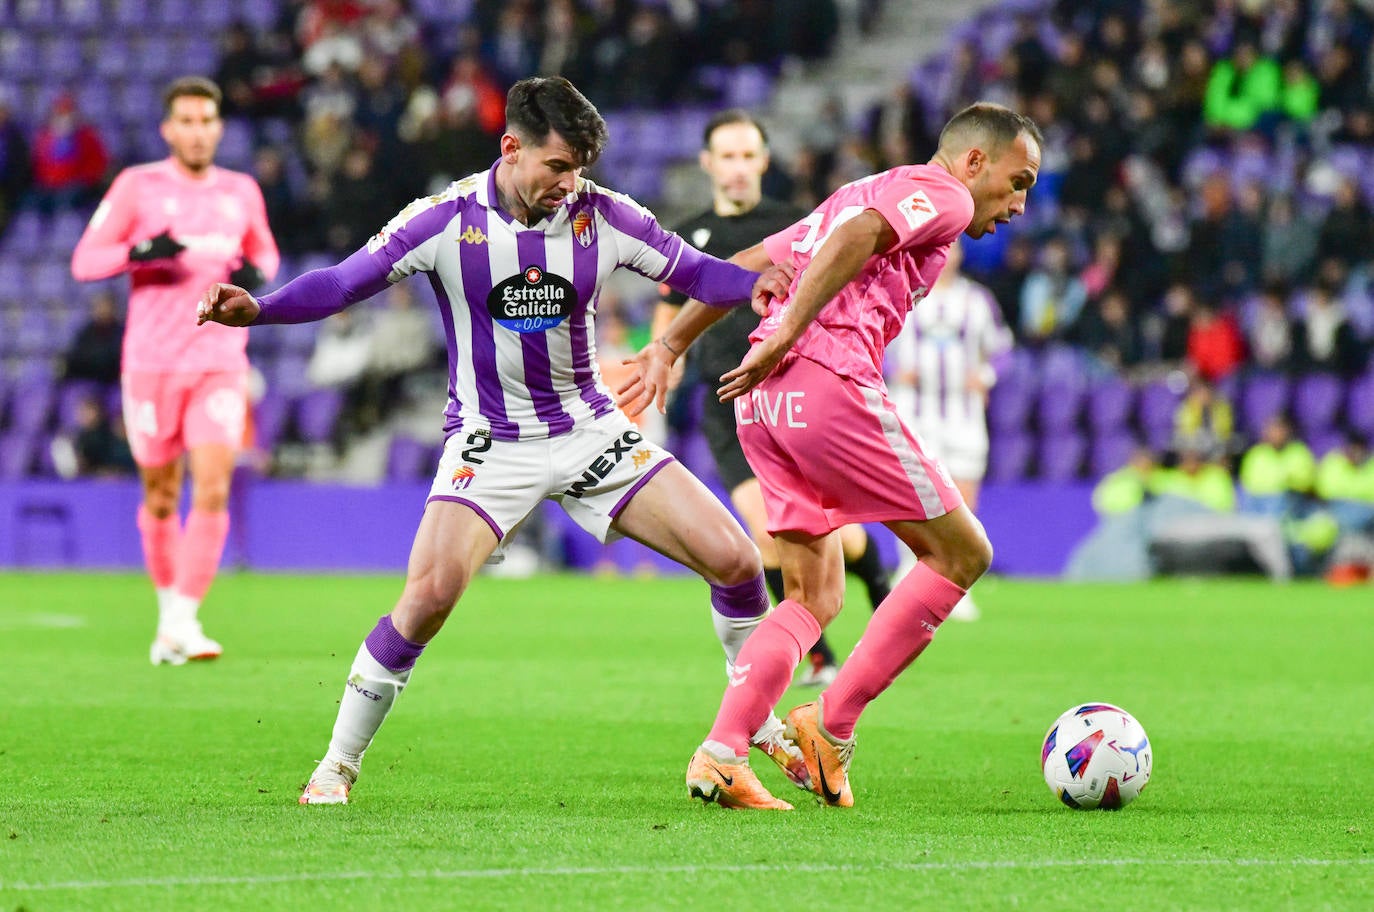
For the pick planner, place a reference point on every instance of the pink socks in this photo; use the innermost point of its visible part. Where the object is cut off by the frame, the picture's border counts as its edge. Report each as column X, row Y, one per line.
column 202, row 544
column 900, row 629
column 161, row 541
column 762, row 672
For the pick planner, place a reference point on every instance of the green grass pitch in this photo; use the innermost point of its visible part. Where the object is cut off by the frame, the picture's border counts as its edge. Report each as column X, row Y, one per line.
column 536, row 760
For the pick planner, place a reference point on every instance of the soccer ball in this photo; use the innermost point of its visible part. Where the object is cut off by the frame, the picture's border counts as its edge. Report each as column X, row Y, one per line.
column 1096, row 756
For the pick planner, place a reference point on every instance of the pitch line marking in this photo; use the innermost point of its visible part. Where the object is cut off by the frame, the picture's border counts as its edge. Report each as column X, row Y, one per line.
column 494, row 873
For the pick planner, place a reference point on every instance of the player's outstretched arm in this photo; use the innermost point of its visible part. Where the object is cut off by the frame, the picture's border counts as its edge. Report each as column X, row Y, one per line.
column 834, row 266
column 227, row 304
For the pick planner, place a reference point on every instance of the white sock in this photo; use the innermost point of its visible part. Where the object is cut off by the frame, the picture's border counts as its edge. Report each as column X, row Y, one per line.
column 371, row 690
column 732, row 632
column 174, row 609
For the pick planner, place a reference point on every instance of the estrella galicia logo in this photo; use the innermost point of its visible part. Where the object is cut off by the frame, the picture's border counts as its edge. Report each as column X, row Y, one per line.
column 534, row 301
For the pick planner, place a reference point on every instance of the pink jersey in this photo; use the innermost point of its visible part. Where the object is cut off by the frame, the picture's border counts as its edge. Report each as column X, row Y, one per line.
column 220, row 218
column 928, row 209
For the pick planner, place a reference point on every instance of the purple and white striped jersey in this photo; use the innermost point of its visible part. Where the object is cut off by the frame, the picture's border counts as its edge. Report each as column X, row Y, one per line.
column 955, row 332
column 517, row 302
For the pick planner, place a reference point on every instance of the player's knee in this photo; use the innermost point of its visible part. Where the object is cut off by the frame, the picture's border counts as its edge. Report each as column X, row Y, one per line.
column 739, row 564
column 972, row 559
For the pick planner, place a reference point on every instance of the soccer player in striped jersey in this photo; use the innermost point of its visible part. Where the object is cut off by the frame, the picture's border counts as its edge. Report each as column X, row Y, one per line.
column 175, row 226
column 516, row 256
column 827, row 445
column 735, row 156
column 943, row 363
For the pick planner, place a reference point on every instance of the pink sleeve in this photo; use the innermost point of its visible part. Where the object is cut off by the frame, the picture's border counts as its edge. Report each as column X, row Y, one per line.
column 103, row 250
column 924, row 213
column 258, row 244
column 779, row 245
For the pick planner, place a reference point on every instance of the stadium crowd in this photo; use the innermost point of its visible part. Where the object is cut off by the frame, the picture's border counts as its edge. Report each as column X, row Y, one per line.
column 1203, row 214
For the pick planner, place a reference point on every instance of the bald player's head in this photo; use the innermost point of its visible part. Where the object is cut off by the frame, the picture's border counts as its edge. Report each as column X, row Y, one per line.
column 987, row 126
column 995, row 153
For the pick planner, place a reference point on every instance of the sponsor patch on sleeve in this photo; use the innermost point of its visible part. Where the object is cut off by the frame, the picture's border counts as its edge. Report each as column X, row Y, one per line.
column 917, row 209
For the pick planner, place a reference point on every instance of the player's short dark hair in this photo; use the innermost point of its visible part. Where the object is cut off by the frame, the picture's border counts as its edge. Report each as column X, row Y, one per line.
column 192, row 86
column 729, row 118
column 985, row 122
column 540, row 104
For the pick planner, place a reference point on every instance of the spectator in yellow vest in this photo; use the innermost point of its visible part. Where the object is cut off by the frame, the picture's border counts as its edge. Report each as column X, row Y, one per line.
column 1276, row 474
column 1197, row 477
column 1125, row 489
column 1345, row 481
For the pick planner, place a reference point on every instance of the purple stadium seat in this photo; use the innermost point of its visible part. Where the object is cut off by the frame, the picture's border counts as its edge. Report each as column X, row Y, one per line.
column 61, row 57
column 1009, row 456
column 269, row 419
column 116, row 60
column 316, row 414
column 1316, row 402
column 1060, row 456
column 1062, row 367
column 131, row 14
column 1009, row 407
column 408, row 459
column 286, row 375
column 26, row 234
column 1109, row 405
column 14, row 280
column 1059, row 407
column 16, row 454
column 83, row 14
column 36, row 334
column 1264, row 396
column 1156, row 409
column 1324, row 441
column 1110, row 452
column 51, row 281
column 1359, row 405
column 32, row 407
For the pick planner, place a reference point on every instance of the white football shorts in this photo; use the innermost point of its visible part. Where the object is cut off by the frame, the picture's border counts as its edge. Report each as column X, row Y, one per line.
column 592, row 471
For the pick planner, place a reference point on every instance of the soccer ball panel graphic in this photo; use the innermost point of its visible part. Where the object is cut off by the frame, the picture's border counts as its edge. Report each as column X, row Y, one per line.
column 1096, row 755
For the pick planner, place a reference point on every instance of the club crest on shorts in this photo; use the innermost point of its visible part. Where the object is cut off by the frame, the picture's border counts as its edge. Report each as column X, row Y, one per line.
column 462, row 477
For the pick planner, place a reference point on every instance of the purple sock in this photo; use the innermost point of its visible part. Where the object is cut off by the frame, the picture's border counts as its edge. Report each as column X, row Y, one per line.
column 748, row 599
column 389, row 648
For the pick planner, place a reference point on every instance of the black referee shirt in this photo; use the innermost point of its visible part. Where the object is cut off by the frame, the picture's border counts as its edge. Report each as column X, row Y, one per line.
column 722, row 347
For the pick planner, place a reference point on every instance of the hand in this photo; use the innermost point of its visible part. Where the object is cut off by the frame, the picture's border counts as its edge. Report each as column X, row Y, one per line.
column 227, row 304
column 156, row 248
column 759, row 363
column 773, row 283
column 247, row 276
column 648, row 381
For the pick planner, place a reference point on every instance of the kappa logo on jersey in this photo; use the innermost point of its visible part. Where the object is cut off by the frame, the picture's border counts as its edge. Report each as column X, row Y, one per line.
column 602, row 465
column 463, row 476
column 534, row 301
column 917, row 209
column 641, row 458
column 472, row 235
column 700, row 237
column 584, row 228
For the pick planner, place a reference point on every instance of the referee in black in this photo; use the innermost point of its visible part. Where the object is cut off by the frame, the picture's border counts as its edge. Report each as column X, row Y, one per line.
column 734, row 155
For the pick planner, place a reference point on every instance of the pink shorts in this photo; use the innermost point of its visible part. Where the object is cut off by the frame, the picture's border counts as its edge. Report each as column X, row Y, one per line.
column 828, row 452
column 166, row 414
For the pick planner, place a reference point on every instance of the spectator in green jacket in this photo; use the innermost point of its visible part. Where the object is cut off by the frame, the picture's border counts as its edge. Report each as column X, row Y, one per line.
column 1345, row 481
column 1198, row 477
column 1123, row 490
column 1276, row 474
column 1242, row 89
